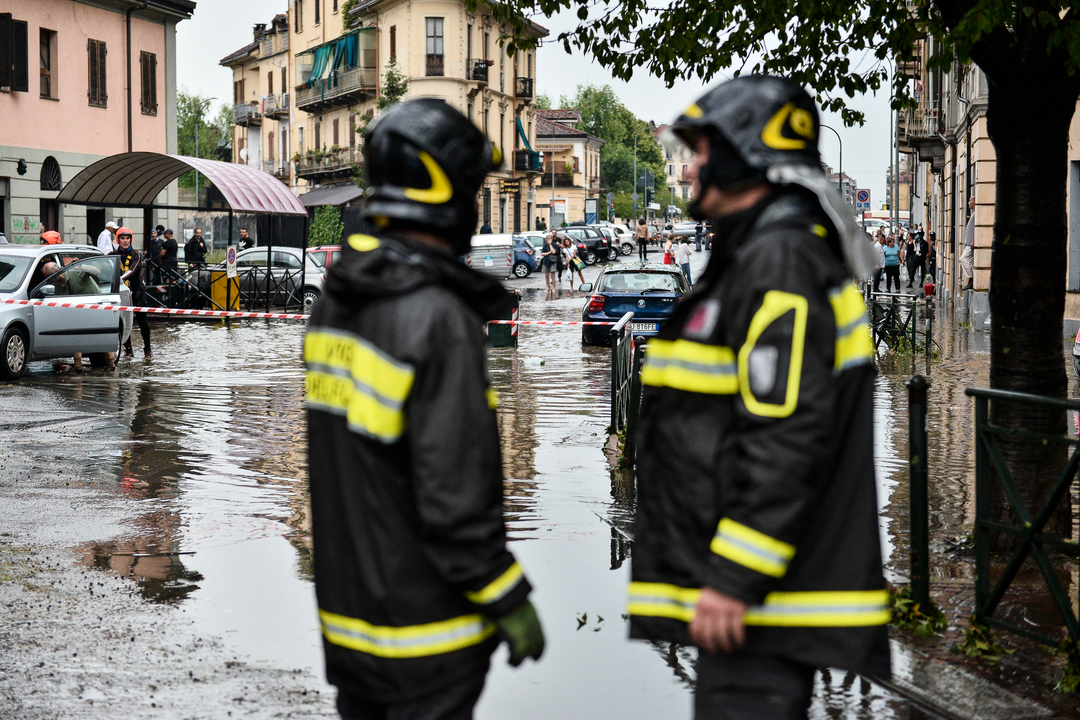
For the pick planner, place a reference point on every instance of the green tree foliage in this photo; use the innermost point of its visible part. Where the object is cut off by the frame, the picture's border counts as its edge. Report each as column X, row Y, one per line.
column 543, row 102
column 215, row 132
column 395, row 85
column 604, row 115
column 326, row 228
column 1030, row 53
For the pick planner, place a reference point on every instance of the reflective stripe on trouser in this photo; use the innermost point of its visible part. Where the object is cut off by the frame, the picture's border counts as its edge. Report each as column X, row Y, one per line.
column 410, row 641
column 690, row 366
column 854, row 345
column 839, row 608
column 349, row 376
column 751, row 548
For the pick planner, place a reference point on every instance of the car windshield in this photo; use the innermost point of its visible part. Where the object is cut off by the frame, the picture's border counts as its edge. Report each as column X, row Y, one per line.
column 640, row 282
column 12, row 271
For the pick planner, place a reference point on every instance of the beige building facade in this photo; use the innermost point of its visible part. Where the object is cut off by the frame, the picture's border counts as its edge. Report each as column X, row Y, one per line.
column 65, row 103
column 569, row 189
column 336, row 66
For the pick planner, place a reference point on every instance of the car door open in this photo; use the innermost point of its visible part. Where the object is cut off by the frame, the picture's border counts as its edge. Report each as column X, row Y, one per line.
column 64, row 330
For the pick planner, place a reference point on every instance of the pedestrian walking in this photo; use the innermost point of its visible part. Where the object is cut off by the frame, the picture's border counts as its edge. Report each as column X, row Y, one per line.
column 699, row 232
column 195, row 250
column 931, row 253
column 245, row 240
column 573, row 262
column 967, row 257
column 485, row 229
column 641, row 235
column 879, row 256
column 549, row 261
column 414, row 582
column 132, row 275
column 166, row 258
column 757, row 522
column 892, row 264
column 105, row 242
column 682, row 258
column 913, row 256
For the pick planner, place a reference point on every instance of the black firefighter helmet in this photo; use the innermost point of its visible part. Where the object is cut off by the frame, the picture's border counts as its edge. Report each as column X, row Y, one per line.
column 425, row 163
column 753, row 123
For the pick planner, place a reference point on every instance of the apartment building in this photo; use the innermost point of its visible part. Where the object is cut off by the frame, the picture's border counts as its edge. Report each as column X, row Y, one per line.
column 261, row 108
column 80, row 107
column 569, row 190
column 676, row 164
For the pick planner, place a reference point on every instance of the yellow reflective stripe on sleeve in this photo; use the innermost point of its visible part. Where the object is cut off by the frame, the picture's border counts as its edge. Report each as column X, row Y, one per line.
column 663, row 600
column 854, row 345
column 347, row 375
column 498, row 588
column 492, row 397
column 850, row 608
column 750, row 548
column 690, row 366
column 775, row 305
column 410, row 641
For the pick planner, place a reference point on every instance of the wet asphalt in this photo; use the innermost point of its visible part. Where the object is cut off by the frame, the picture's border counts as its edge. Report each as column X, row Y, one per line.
column 154, row 556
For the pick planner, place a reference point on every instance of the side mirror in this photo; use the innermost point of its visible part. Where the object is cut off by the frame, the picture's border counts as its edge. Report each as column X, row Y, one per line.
column 46, row 291
column 585, row 287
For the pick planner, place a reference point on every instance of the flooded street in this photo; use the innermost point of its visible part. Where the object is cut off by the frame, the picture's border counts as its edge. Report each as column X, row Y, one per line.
column 154, row 553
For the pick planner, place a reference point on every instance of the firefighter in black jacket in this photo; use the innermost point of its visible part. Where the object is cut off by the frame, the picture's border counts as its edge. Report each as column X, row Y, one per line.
column 757, row 532
column 414, row 583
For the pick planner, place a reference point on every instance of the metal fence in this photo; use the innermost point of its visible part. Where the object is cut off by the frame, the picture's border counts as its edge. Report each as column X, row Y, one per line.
column 622, row 365
column 204, row 287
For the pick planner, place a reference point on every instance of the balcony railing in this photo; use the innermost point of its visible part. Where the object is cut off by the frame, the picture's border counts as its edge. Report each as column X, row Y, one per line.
column 245, row 113
column 341, row 86
column 434, row 65
column 273, row 105
column 476, row 70
column 277, row 168
column 524, row 88
column 528, row 161
column 924, row 121
column 328, row 162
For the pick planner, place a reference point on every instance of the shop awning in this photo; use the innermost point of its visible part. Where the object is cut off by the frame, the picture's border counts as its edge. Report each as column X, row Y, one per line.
column 336, row 195
column 135, row 179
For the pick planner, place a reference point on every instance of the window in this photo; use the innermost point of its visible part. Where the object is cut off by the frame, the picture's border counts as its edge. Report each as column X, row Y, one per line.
column 434, row 46
column 335, row 5
column 318, row 132
column 393, row 42
column 468, row 43
column 336, row 133
column 502, row 126
column 317, row 10
column 283, row 85
column 671, row 170
column 298, row 20
column 48, row 64
column 270, row 147
column 470, row 107
column 684, row 170
column 352, row 131
column 148, row 71
column 270, row 83
column 486, row 37
column 300, row 137
column 16, row 76
column 685, row 192
column 97, row 91
column 238, row 91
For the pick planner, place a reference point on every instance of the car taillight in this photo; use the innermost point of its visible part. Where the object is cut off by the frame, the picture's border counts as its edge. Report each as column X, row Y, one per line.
column 528, row 251
column 596, row 303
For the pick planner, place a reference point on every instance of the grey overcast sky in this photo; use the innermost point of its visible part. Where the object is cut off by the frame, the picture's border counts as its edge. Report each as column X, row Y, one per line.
column 219, row 27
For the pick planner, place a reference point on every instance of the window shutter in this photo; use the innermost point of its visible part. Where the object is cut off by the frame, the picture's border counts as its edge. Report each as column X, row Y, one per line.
column 270, row 146
column 270, row 83
column 20, row 58
column 103, row 93
column 144, row 82
column 153, row 83
column 5, row 51
column 91, row 63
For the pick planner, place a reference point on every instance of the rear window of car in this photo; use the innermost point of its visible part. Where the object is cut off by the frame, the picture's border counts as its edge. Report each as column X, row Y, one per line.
column 319, row 258
column 636, row 282
column 12, row 271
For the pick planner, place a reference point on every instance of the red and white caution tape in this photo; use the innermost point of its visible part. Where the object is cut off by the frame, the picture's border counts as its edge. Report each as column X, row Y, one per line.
column 242, row 314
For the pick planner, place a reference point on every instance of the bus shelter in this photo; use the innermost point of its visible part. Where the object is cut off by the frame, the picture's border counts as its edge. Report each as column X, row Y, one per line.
column 135, row 179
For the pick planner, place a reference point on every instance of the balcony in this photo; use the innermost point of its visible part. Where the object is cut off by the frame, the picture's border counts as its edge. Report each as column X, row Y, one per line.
column 524, row 88
column 528, row 161
column 477, row 70
column 325, row 164
column 246, row 114
column 434, row 66
column 924, row 128
column 277, row 168
column 343, row 87
column 274, row 106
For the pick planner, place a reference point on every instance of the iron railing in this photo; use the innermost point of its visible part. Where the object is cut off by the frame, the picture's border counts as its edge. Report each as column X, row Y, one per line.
column 1029, row 528
column 622, row 366
column 524, row 87
column 434, row 67
column 528, row 161
column 243, row 113
column 331, row 161
column 189, row 285
column 340, row 85
column 476, row 70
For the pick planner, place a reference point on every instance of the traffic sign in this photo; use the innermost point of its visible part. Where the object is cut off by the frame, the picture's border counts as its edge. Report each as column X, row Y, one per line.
column 634, row 196
column 230, row 262
column 862, row 200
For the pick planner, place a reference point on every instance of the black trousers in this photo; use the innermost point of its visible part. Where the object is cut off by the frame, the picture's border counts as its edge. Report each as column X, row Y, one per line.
column 144, row 328
column 877, row 280
column 643, row 250
column 746, row 686
column 892, row 273
column 456, row 702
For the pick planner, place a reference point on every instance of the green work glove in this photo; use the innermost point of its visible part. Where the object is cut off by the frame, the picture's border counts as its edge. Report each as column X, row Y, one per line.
column 521, row 629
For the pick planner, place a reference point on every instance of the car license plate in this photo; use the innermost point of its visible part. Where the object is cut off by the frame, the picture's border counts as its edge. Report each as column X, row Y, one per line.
column 489, row 261
column 643, row 327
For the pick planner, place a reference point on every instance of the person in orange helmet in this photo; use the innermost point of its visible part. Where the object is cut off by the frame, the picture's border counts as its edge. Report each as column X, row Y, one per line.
column 51, row 237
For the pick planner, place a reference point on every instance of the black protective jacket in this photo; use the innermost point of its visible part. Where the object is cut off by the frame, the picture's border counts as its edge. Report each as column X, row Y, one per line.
column 755, row 462
column 406, row 475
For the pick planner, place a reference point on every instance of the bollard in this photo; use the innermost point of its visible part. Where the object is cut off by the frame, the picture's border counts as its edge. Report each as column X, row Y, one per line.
column 505, row 335
column 918, row 492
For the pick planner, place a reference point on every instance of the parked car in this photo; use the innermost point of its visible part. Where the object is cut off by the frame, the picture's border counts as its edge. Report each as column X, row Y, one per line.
column 29, row 332
column 1076, row 355
column 289, row 282
column 651, row 292
column 683, row 229
column 597, row 246
column 526, row 256
column 492, row 254
column 325, row 255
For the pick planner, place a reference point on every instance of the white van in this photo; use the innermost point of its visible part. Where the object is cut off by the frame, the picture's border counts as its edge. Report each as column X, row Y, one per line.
column 492, row 254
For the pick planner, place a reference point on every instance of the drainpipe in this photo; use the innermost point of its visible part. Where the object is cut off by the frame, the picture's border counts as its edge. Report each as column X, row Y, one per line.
column 127, row 20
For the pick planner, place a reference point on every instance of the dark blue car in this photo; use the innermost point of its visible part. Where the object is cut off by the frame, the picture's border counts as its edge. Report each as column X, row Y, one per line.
column 651, row 292
column 527, row 249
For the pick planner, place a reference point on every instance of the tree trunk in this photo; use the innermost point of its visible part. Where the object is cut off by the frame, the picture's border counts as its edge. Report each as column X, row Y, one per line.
column 1028, row 119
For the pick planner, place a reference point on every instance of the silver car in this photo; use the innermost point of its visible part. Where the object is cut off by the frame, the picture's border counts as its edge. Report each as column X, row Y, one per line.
column 289, row 281
column 29, row 332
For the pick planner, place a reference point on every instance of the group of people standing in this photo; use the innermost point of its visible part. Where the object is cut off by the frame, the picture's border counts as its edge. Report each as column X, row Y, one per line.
column 905, row 247
column 560, row 254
